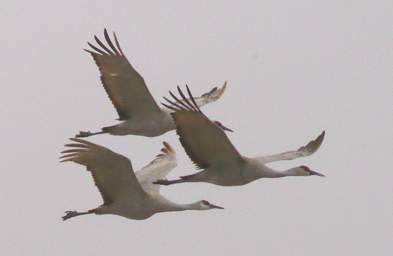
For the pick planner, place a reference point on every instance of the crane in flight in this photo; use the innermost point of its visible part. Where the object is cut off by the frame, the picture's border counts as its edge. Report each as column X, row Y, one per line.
column 125, row 193
column 137, row 110
column 210, row 149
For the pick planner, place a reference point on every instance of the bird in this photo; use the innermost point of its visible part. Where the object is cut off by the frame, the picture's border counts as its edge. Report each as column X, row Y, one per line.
column 125, row 193
column 210, row 149
column 138, row 112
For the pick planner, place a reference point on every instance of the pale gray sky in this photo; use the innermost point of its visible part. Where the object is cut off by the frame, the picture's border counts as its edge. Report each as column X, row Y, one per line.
column 294, row 68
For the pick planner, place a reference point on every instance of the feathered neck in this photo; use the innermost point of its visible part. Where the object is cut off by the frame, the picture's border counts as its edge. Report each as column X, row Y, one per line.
column 271, row 173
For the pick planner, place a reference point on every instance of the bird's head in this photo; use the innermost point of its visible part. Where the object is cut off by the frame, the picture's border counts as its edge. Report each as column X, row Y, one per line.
column 205, row 205
column 219, row 124
column 306, row 171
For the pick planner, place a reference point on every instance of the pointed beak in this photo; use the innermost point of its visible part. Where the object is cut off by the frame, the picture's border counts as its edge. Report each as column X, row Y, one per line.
column 316, row 173
column 226, row 128
column 212, row 206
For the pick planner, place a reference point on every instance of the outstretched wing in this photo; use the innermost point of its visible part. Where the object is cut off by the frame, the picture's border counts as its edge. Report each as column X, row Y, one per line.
column 157, row 169
column 303, row 151
column 123, row 84
column 206, row 98
column 112, row 172
column 203, row 140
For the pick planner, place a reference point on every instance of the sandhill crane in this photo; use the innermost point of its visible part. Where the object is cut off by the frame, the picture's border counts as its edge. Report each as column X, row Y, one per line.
column 138, row 112
column 210, row 149
column 125, row 193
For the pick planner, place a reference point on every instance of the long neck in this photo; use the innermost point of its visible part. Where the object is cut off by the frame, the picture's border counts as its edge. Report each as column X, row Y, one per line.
column 271, row 173
column 193, row 206
column 257, row 169
column 290, row 172
column 169, row 206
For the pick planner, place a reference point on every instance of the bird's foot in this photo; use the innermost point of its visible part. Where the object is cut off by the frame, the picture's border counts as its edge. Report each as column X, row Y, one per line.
column 83, row 134
column 162, row 182
column 70, row 214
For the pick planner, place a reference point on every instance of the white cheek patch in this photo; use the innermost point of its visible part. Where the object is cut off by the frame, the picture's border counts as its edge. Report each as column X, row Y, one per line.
column 113, row 74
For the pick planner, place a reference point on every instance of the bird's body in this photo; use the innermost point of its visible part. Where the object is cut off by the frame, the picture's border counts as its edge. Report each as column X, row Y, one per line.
column 125, row 193
column 239, row 175
column 145, row 208
column 138, row 111
column 211, row 150
column 151, row 126
column 235, row 175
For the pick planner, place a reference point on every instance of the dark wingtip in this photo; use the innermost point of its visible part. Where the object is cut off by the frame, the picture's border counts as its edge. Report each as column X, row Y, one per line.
column 168, row 147
column 173, row 104
column 212, row 90
column 118, row 44
column 167, row 106
column 86, row 50
column 96, row 49
column 103, row 46
column 185, row 99
column 192, row 99
column 184, row 106
column 321, row 137
column 109, row 42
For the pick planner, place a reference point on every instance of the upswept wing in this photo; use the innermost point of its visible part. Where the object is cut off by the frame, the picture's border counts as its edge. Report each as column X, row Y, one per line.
column 204, row 142
column 206, row 98
column 123, row 84
column 112, row 172
column 303, row 151
column 157, row 169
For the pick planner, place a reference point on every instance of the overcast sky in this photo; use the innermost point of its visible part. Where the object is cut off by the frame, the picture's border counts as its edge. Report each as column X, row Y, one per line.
column 294, row 68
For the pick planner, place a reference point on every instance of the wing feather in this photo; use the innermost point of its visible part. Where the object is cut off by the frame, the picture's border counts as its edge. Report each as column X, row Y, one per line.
column 303, row 151
column 124, row 85
column 157, row 169
column 205, row 143
column 206, row 98
column 112, row 172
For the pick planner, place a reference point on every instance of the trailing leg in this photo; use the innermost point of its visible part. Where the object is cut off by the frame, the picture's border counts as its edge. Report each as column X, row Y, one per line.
column 168, row 182
column 71, row 214
column 196, row 177
column 83, row 134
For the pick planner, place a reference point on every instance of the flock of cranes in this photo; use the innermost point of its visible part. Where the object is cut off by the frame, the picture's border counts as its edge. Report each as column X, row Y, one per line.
column 136, row 195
